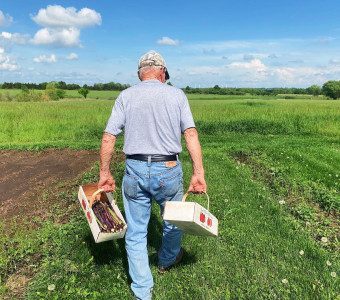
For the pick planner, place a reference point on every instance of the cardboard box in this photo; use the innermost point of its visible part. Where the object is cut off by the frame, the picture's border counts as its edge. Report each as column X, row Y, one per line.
column 191, row 217
column 84, row 195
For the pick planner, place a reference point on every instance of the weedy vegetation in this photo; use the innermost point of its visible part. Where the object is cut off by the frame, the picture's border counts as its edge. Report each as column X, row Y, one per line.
column 273, row 174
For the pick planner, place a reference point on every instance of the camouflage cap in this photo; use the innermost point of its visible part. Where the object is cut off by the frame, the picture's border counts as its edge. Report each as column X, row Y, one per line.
column 151, row 58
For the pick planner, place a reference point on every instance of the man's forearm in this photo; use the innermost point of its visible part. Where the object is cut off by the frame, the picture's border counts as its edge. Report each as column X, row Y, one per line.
column 106, row 152
column 194, row 148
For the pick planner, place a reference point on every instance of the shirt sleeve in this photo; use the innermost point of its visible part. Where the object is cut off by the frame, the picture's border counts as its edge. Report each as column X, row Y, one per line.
column 187, row 120
column 116, row 121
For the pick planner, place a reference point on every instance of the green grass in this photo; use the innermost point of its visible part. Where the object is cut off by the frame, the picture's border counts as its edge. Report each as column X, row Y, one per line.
column 80, row 124
column 256, row 154
column 70, row 94
column 93, row 94
column 56, row 124
column 73, row 94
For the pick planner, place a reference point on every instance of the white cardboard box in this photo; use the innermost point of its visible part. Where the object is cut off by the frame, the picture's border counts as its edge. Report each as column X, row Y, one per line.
column 191, row 217
column 84, row 194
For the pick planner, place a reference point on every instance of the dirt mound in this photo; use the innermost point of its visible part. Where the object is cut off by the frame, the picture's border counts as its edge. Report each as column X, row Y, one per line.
column 26, row 176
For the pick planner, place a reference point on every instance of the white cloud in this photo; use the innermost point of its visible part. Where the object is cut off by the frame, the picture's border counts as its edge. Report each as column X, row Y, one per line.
column 253, row 64
column 7, row 64
column 7, row 40
column 15, row 38
column 256, row 73
column 334, row 61
column 5, row 20
column 62, row 25
column 204, row 71
column 45, row 59
column 61, row 37
column 6, row 35
column 72, row 56
column 56, row 16
column 168, row 41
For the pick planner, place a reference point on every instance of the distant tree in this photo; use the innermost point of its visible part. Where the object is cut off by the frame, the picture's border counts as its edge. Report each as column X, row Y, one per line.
column 83, row 91
column 98, row 86
column 62, row 85
column 54, row 83
column 42, row 86
column 169, row 83
column 314, row 90
column 51, row 91
column 7, row 85
column 332, row 89
column 24, row 89
column 73, row 86
column 61, row 93
column 17, row 85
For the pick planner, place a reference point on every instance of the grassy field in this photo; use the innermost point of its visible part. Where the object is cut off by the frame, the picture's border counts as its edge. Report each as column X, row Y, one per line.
column 105, row 95
column 273, row 174
column 72, row 94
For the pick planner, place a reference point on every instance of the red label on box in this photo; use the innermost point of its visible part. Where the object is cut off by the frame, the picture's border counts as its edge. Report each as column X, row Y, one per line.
column 202, row 218
column 84, row 204
column 209, row 222
column 89, row 217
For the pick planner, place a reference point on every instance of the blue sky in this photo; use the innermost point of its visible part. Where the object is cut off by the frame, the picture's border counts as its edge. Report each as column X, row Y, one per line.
column 244, row 43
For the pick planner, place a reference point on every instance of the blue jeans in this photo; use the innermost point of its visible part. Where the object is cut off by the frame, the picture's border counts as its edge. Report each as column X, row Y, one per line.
column 143, row 181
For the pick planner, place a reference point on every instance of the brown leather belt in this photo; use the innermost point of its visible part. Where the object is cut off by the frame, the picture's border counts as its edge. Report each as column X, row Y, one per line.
column 154, row 158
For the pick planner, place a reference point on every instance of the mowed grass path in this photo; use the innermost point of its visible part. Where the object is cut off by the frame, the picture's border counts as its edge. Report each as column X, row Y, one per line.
column 256, row 154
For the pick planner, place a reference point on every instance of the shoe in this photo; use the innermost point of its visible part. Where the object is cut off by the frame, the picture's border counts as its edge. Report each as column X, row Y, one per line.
column 162, row 270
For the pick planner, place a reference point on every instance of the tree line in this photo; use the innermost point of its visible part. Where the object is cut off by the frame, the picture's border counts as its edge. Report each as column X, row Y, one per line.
column 51, row 92
column 330, row 89
column 110, row 86
column 313, row 90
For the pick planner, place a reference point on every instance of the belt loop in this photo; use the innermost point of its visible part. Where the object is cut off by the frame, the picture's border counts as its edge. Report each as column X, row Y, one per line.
column 149, row 160
column 177, row 157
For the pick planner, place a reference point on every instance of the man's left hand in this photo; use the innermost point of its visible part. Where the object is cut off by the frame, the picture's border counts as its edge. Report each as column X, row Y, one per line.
column 197, row 184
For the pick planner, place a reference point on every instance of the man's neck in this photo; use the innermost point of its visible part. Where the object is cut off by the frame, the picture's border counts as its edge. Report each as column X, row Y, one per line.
column 149, row 78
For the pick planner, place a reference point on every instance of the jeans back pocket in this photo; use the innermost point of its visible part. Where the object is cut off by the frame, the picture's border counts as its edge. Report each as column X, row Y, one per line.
column 130, row 184
column 171, row 186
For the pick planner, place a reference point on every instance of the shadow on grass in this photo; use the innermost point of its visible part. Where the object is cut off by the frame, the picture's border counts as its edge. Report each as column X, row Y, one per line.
column 187, row 259
column 109, row 252
column 114, row 251
column 155, row 231
column 106, row 252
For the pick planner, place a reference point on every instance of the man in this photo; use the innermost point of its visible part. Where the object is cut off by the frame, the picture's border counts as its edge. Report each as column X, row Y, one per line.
column 154, row 115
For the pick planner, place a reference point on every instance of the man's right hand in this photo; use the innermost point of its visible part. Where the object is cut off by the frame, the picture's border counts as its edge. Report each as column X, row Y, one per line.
column 197, row 184
column 106, row 182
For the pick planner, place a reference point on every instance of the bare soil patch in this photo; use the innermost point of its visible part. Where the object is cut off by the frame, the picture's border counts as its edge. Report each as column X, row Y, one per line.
column 26, row 176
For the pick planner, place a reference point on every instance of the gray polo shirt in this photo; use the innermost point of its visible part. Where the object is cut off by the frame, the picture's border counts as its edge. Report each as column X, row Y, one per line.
column 154, row 115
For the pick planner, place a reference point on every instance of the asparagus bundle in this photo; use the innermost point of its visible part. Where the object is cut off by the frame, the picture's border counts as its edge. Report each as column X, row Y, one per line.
column 106, row 217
